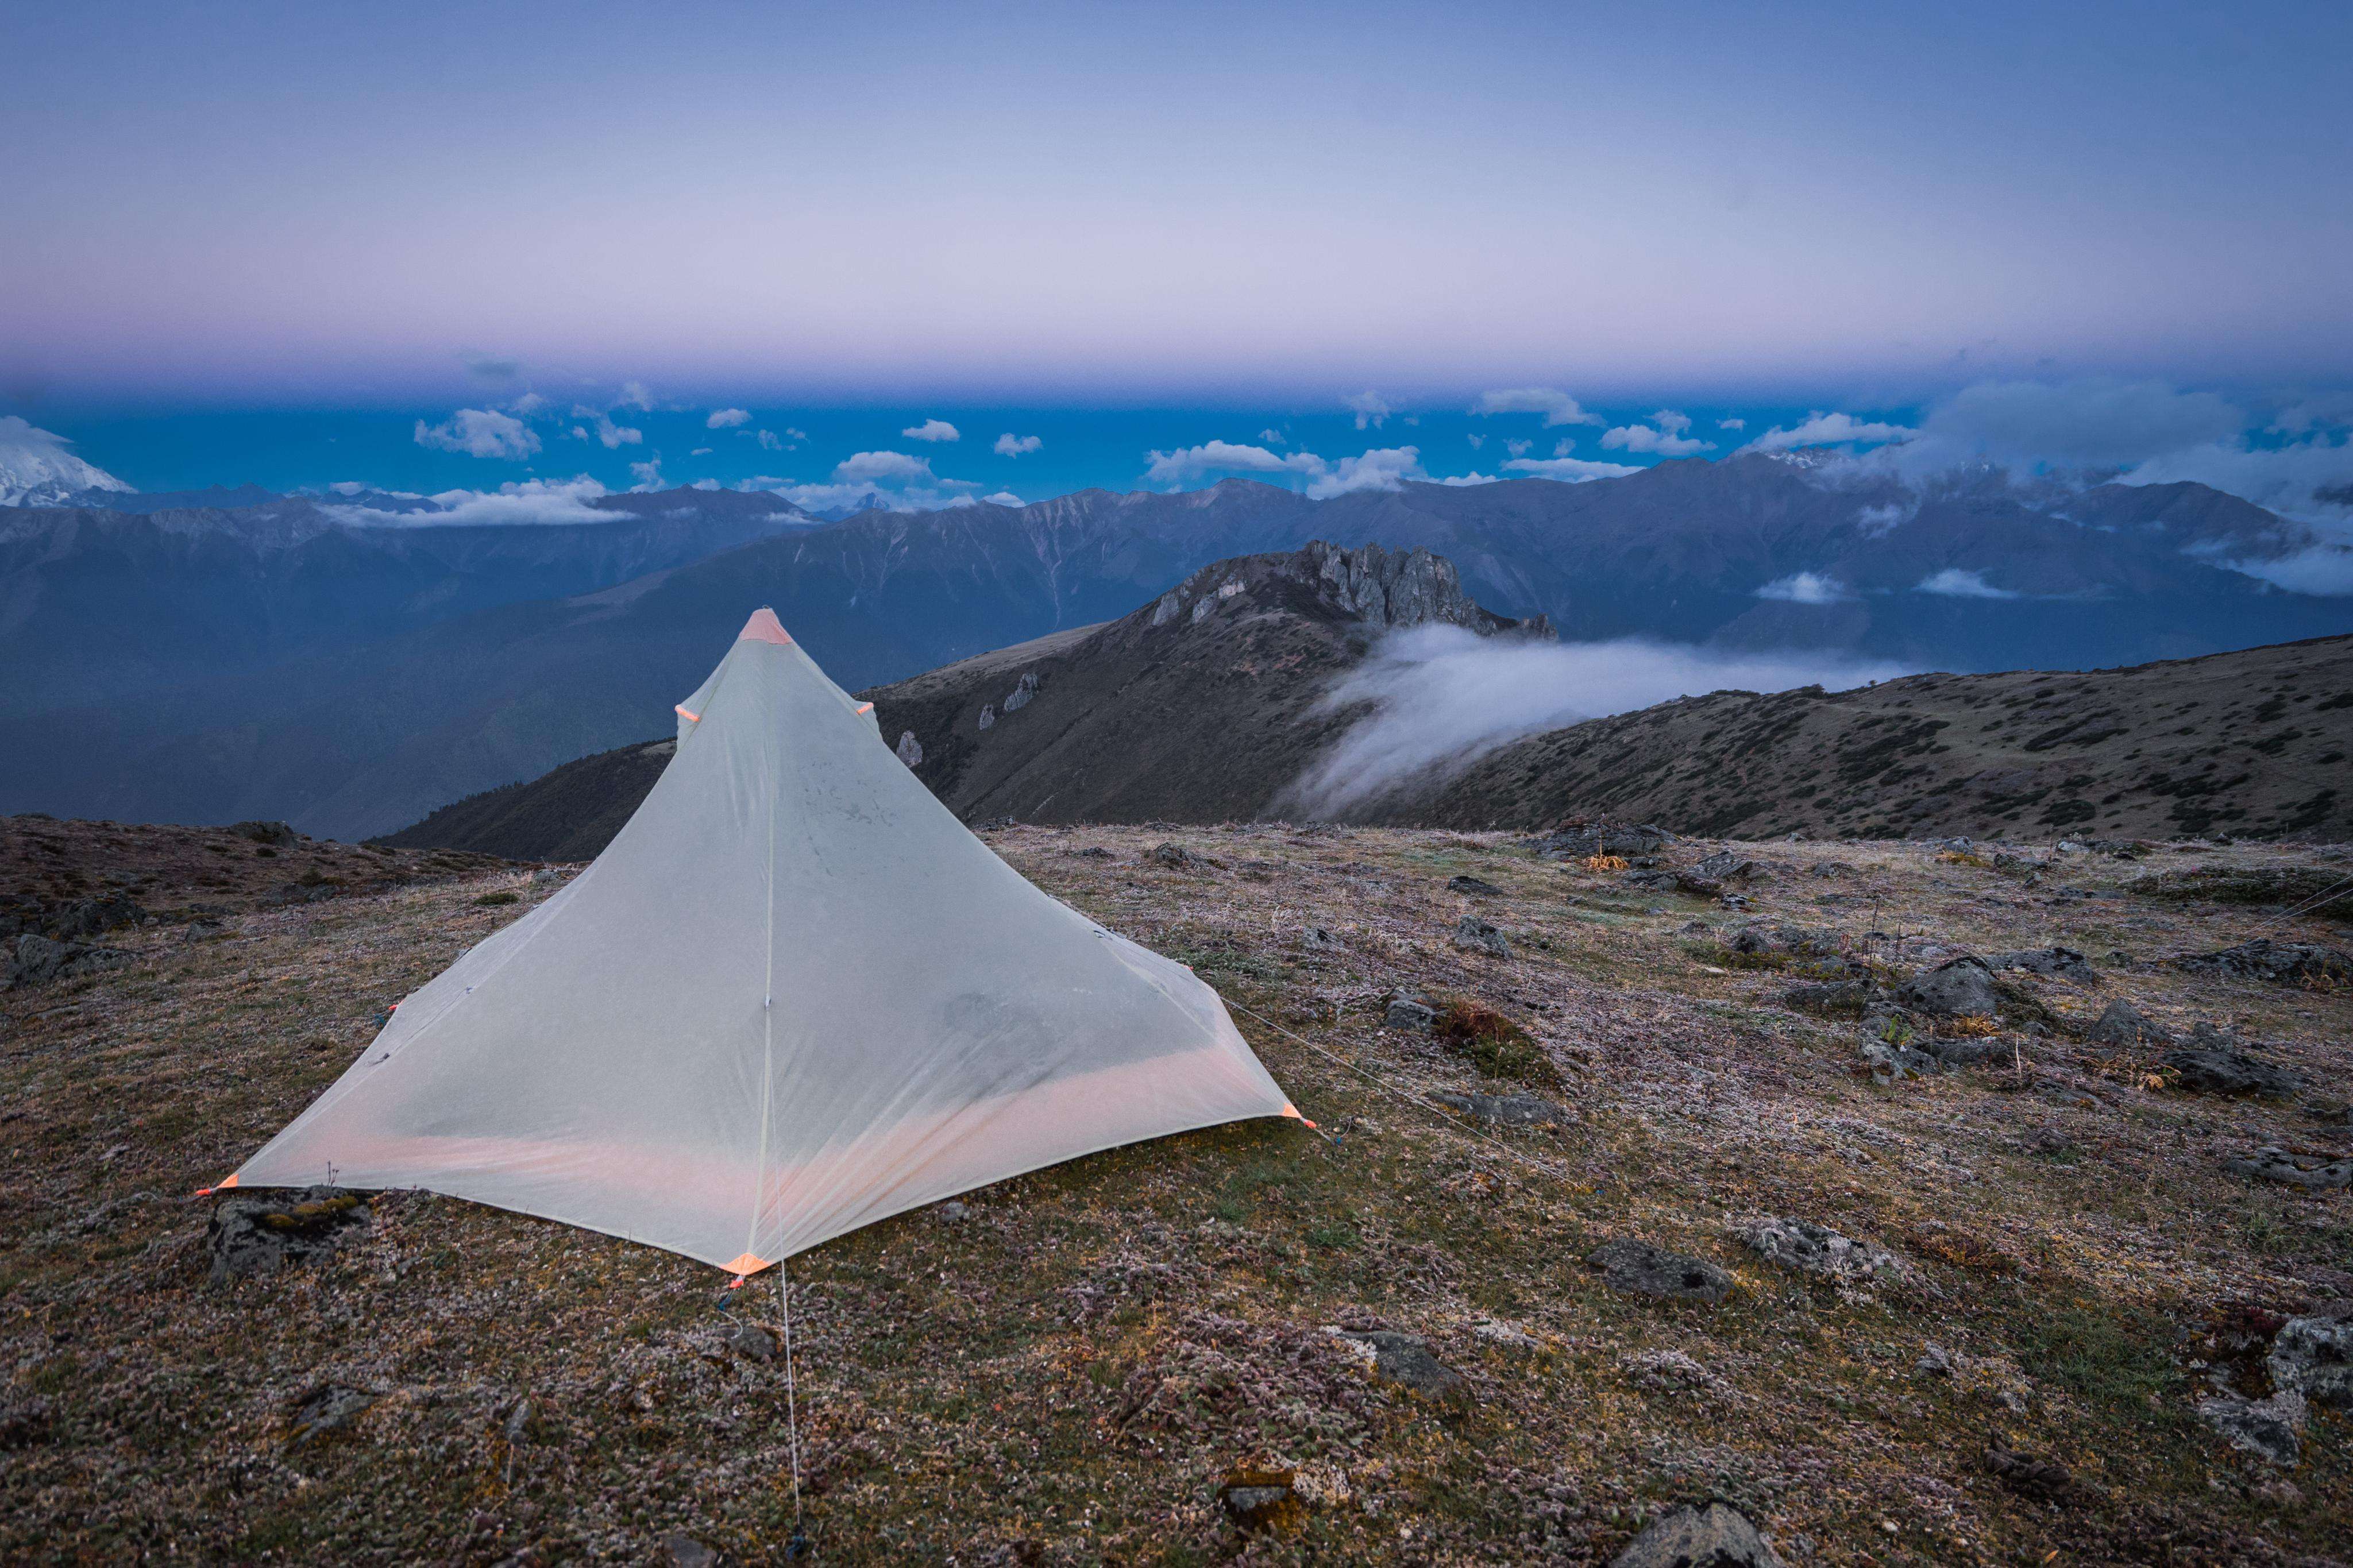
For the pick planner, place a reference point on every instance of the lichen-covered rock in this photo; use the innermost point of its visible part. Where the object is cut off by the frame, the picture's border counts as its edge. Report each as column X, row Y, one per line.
column 1410, row 1013
column 2213, row 1062
column 38, row 960
column 2277, row 1164
column 2278, row 963
column 1507, row 1109
column 1406, row 1360
column 1810, row 1248
column 2064, row 962
column 1577, row 841
column 2121, row 1023
column 2269, row 1428
column 2313, row 1357
column 910, row 751
column 262, row 1232
column 1641, row 1270
column 1481, row 936
column 1958, row 987
column 1717, row 1536
column 1479, row 887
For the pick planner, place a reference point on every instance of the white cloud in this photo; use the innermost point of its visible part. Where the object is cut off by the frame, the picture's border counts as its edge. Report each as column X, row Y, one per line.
column 1731, row 425
column 530, row 501
column 2091, row 424
column 646, row 474
column 2324, row 569
column 1381, row 469
column 1441, row 697
column 1192, row 462
column 727, row 418
column 635, row 396
column 607, row 432
column 1954, row 583
column 1556, row 406
column 1518, row 448
column 769, row 442
column 528, row 403
column 1569, row 470
column 1004, row 497
column 1011, row 446
column 1459, row 480
column 1370, row 407
column 866, row 467
column 1476, row 441
column 1805, row 588
column 480, row 433
column 1664, row 434
column 2311, row 481
column 933, row 430
column 700, row 452
column 1821, row 429
column 1271, row 437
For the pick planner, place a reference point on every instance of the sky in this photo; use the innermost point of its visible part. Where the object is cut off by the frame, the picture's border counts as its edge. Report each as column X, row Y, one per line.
column 299, row 244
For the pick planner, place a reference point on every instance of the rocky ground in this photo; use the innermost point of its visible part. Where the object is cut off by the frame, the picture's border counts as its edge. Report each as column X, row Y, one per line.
column 1729, row 1177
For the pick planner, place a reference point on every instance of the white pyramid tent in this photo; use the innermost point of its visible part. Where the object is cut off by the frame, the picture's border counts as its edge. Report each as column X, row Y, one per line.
column 793, row 997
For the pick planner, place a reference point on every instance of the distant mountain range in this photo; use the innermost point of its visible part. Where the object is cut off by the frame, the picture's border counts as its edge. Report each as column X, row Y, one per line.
column 334, row 661
column 1206, row 705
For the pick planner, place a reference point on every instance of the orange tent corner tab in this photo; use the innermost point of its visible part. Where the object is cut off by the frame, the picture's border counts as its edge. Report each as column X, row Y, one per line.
column 1293, row 1111
column 866, row 707
column 224, row 1184
column 691, row 718
column 750, row 1263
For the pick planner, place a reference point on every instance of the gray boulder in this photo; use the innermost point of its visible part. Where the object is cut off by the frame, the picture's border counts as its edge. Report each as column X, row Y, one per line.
column 1641, row 1270
column 2121, row 1023
column 1576, row 842
column 2269, row 1428
column 2064, row 962
column 2279, row 963
column 1725, row 866
column 2313, row 1357
column 326, row 1409
column 1958, row 987
column 2274, row 1164
column 910, row 751
column 39, row 960
column 1479, row 887
column 1809, row 1249
column 1406, row 1359
column 275, row 834
column 2213, row 1062
column 262, row 1231
column 1717, row 1536
column 1410, row 1013
column 1481, row 936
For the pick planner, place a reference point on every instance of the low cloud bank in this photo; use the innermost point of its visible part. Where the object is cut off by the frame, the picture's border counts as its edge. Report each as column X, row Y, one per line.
column 1440, row 698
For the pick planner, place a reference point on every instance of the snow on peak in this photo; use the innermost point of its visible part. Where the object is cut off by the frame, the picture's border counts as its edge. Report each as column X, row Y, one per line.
column 35, row 469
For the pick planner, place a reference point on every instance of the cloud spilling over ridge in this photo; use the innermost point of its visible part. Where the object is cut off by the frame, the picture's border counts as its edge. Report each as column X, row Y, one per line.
column 480, row 433
column 1440, row 698
column 528, row 501
column 35, row 466
column 1667, row 434
column 1805, row 588
column 1821, row 429
column 1382, row 468
column 1569, row 470
column 1193, row 462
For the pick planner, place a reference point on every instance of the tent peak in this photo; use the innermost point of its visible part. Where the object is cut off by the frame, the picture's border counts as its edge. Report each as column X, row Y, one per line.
column 764, row 627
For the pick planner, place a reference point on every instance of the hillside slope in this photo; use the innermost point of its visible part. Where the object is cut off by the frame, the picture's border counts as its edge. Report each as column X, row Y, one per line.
column 2058, row 1268
column 1200, row 706
column 2253, row 744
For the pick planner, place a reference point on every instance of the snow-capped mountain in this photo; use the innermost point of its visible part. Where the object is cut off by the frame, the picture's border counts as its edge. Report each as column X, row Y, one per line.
column 35, row 469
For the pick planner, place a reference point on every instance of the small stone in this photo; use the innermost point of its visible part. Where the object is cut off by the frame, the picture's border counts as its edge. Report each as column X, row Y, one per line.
column 1725, row 866
column 1406, row 1359
column 1410, row 1013
column 1642, row 1269
column 2269, row 1428
column 1174, row 856
column 2313, row 1357
column 1717, row 1536
column 1497, row 1332
column 326, row 1409
column 1480, row 936
column 2031, row 1475
column 2275, row 1164
column 1479, row 887
column 1262, row 1499
column 1319, row 938
column 956, row 1211
column 518, row 1422
column 910, row 751
column 684, row 1551
column 2064, row 962
column 752, row 1342
column 1669, row 1372
column 1507, row 1109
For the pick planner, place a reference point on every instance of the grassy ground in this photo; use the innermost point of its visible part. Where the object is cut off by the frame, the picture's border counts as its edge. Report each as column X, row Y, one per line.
column 1066, row 1372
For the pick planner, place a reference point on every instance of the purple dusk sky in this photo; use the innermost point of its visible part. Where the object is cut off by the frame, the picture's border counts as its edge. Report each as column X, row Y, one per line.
column 344, row 203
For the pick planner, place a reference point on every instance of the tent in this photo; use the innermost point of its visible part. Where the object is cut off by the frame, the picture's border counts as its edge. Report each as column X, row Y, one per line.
column 793, row 997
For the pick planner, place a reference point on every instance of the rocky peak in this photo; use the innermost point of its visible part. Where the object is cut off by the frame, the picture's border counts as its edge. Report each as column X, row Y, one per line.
column 1371, row 585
